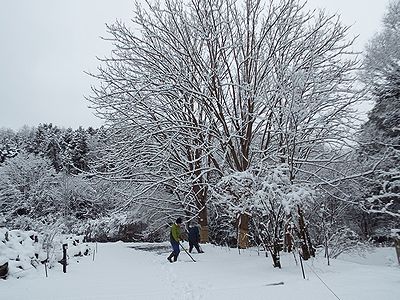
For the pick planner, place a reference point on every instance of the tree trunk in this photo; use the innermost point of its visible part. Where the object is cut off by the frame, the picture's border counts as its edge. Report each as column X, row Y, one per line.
column 288, row 243
column 276, row 258
column 203, row 225
column 306, row 246
column 200, row 193
column 327, row 250
column 243, row 230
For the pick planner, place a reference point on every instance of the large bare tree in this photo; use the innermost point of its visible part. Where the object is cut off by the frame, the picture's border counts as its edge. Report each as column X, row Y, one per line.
column 198, row 89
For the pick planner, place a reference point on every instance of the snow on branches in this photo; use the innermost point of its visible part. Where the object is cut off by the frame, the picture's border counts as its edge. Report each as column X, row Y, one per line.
column 269, row 198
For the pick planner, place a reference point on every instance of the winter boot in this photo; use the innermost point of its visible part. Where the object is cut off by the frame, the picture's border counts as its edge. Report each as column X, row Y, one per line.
column 176, row 257
column 170, row 257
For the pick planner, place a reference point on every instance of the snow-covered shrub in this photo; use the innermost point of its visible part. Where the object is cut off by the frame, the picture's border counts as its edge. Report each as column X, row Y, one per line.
column 395, row 233
column 278, row 209
column 345, row 240
column 76, row 197
column 33, row 196
column 21, row 250
column 120, row 227
column 270, row 199
column 232, row 197
column 25, row 181
column 25, row 251
column 104, row 229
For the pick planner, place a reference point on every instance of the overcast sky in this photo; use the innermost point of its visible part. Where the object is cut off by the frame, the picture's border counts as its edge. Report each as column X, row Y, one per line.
column 46, row 45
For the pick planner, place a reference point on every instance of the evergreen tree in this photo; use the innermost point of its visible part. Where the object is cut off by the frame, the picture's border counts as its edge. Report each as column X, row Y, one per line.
column 46, row 143
column 8, row 144
column 74, row 150
column 380, row 136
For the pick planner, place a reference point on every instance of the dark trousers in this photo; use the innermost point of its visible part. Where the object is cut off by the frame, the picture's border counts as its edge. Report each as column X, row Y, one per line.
column 175, row 250
column 194, row 244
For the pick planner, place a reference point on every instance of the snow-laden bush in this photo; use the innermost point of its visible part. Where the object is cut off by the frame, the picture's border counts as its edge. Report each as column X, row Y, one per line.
column 20, row 250
column 25, row 182
column 34, row 197
column 24, row 251
column 120, row 227
column 273, row 203
column 345, row 240
column 231, row 197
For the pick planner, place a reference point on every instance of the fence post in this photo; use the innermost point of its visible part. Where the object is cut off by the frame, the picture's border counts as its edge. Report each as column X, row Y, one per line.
column 397, row 246
column 64, row 259
column 301, row 264
column 45, row 268
column 396, row 237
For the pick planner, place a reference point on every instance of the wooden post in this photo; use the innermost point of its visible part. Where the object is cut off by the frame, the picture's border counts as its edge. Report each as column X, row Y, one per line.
column 64, row 259
column 301, row 263
column 94, row 251
column 45, row 268
column 396, row 237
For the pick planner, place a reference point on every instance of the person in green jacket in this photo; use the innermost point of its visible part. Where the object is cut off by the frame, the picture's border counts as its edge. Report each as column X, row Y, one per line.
column 175, row 236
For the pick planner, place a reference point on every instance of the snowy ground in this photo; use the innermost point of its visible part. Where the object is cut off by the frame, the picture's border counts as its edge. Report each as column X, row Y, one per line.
column 120, row 271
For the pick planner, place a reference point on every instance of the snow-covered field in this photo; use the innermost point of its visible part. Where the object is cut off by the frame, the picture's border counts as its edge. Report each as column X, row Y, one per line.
column 122, row 271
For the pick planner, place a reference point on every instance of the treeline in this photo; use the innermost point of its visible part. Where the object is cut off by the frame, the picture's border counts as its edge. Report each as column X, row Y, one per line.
column 46, row 184
column 66, row 149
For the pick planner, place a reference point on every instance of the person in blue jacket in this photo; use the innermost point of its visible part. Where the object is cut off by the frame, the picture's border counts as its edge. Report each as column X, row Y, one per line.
column 194, row 238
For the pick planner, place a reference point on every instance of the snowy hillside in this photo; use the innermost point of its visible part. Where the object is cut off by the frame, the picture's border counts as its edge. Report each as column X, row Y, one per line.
column 123, row 271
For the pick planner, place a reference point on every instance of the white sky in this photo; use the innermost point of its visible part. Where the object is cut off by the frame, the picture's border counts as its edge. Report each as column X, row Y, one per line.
column 46, row 45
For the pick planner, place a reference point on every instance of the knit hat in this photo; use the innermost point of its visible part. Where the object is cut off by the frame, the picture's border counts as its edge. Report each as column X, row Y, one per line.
column 179, row 220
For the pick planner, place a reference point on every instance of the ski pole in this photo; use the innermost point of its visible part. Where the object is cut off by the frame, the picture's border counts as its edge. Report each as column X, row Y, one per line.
column 186, row 252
